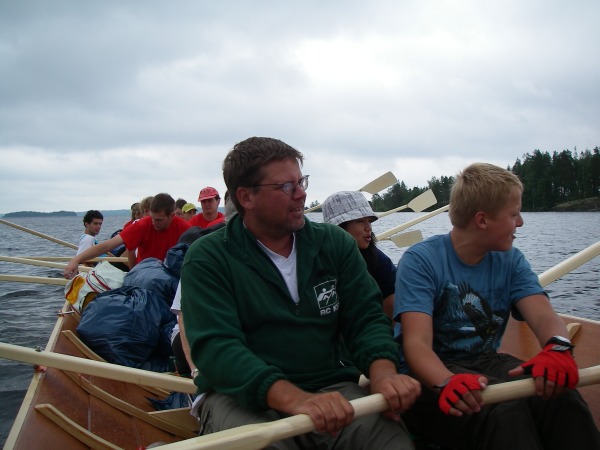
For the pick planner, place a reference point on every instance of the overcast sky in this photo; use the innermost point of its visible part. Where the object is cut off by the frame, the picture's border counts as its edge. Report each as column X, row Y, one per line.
column 105, row 102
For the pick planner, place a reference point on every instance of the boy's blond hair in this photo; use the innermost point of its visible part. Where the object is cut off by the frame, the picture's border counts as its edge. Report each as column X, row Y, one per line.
column 480, row 187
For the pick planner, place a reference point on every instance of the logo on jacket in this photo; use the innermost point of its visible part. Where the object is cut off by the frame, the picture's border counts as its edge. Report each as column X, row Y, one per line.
column 327, row 298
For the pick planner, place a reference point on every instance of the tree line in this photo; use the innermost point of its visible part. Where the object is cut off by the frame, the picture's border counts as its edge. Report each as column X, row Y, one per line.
column 548, row 181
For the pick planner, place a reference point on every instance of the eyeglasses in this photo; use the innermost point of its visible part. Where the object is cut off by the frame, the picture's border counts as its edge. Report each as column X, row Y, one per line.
column 290, row 187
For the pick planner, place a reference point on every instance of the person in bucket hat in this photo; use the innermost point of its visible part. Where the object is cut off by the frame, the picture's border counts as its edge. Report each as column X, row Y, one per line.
column 352, row 212
column 209, row 201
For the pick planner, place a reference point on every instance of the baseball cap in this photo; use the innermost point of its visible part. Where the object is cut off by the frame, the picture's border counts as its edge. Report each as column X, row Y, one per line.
column 188, row 207
column 345, row 206
column 208, row 192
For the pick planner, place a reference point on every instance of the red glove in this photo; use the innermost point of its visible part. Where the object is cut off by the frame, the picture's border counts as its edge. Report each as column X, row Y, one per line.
column 456, row 386
column 554, row 365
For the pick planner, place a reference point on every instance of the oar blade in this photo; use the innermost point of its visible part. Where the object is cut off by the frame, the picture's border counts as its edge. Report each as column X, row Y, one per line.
column 423, row 201
column 407, row 239
column 417, row 204
column 380, row 183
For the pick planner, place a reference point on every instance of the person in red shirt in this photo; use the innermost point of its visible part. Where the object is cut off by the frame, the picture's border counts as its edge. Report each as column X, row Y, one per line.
column 153, row 235
column 209, row 200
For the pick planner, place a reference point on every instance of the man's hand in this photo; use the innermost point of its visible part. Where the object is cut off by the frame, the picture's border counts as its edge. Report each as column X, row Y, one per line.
column 329, row 411
column 460, row 395
column 554, row 370
column 400, row 391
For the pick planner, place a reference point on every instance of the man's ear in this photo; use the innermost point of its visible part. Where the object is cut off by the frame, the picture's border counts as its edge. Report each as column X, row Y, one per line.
column 245, row 196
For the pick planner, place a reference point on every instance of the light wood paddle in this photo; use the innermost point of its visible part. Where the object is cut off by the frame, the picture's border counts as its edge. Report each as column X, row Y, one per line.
column 33, row 279
column 407, row 239
column 97, row 368
column 122, row 259
column 417, row 204
column 37, row 233
column 36, row 262
column 256, row 436
column 410, row 223
column 570, row 264
column 375, row 186
column 249, row 436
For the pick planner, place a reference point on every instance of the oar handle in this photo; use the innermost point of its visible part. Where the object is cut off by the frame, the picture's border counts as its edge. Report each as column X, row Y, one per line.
column 35, row 262
column 97, row 368
column 569, row 264
column 37, row 233
column 251, row 437
column 385, row 213
column 33, row 279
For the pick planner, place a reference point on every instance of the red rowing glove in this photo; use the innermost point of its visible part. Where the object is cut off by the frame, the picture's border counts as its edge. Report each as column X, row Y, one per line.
column 457, row 385
column 554, row 363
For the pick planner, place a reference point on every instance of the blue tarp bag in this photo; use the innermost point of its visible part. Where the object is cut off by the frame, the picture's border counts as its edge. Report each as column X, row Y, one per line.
column 153, row 275
column 174, row 259
column 129, row 326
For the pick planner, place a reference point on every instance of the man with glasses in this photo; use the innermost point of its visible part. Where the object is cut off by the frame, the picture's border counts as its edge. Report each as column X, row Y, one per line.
column 267, row 301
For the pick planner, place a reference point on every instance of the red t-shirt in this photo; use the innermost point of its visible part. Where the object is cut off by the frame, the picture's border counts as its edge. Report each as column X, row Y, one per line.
column 199, row 221
column 151, row 243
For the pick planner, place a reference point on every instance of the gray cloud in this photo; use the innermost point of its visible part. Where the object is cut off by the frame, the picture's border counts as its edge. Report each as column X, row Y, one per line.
column 143, row 92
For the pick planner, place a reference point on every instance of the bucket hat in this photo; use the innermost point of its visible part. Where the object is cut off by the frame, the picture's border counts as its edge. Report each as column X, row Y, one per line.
column 345, row 206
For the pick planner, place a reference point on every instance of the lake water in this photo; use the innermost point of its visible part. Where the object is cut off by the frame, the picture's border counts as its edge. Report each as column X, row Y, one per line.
column 29, row 311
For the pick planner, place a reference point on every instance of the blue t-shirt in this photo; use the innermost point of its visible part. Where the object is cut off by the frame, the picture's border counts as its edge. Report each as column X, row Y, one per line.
column 469, row 304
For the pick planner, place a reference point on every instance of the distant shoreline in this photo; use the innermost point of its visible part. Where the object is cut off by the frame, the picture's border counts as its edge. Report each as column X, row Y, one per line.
column 112, row 212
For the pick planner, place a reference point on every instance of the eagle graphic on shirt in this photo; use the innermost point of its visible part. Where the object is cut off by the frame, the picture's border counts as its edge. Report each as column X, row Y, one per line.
column 466, row 323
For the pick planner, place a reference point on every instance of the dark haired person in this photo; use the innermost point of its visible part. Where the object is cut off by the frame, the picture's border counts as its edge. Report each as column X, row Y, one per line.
column 179, row 207
column 92, row 222
column 209, row 202
column 351, row 211
column 152, row 235
column 266, row 300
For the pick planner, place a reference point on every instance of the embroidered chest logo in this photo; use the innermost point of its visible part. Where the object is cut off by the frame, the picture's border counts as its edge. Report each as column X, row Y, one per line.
column 327, row 298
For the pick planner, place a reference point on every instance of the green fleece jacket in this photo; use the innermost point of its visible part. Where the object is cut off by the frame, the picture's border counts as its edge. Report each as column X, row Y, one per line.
column 246, row 332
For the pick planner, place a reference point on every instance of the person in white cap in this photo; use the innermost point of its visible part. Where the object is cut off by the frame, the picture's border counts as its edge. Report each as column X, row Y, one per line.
column 352, row 212
column 209, row 201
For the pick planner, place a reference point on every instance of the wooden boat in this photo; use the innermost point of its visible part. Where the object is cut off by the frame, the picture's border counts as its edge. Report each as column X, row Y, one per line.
column 72, row 411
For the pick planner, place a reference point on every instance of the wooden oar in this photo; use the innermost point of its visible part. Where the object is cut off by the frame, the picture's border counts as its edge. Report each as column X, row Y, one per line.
column 375, row 186
column 407, row 239
column 570, row 264
column 410, row 223
column 417, row 204
column 255, row 436
column 37, row 233
column 36, row 262
column 97, row 368
column 33, row 279
column 122, row 259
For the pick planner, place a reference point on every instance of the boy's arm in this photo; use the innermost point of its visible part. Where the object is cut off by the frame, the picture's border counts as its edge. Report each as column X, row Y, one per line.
column 541, row 318
column 553, row 368
column 417, row 344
